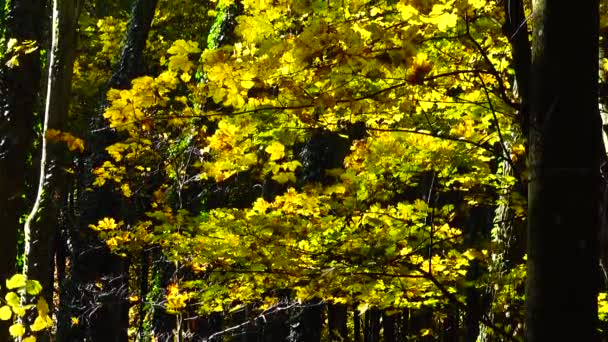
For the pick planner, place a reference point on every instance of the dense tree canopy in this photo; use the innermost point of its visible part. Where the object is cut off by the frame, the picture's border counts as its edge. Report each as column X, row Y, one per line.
column 299, row 170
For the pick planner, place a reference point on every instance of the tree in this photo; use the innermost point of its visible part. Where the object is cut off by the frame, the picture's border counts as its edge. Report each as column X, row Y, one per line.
column 564, row 185
column 508, row 235
column 18, row 101
column 48, row 213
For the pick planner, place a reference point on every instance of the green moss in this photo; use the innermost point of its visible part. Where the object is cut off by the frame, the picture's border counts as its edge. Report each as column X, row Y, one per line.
column 222, row 30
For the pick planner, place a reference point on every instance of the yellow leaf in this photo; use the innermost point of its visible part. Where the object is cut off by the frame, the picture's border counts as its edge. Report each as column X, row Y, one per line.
column 39, row 324
column 247, row 84
column 29, row 339
column 11, row 43
column 183, row 47
column 477, row 4
column 185, row 77
column 52, row 134
column 33, row 287
column 42, row 306
column 126, row 190
column 13, row 62
column 17, row 280
column 284, row 177
column 5, row 313
column 276, row 150
column 16, row 330
column 247, row 80
column 107, row 223
column 180, row 62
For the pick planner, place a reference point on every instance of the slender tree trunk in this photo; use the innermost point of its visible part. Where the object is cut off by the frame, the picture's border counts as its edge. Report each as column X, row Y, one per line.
column 46, row 216
column 565, row 141
column 509, row 230
column 603, row 235
column 308, row 325
column 337, row 319
column 357, row 325
column 19, row 87
column 371, row 330
column 388, row 327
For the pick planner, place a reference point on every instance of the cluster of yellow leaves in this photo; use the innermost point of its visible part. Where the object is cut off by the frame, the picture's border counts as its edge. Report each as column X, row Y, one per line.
column 179, row 61
column 14, row 308
column 132, row 106
column 232, row 149
column 16, row 49
column 176, row 300
column 73, row 143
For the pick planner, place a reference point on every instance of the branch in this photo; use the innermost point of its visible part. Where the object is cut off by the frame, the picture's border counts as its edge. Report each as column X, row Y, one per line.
column 506, row 157
column 493, row 71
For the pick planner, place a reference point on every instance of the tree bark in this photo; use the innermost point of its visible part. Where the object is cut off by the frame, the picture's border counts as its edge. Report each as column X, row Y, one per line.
column 357, row 325
column 509, row 233
column 337, row 318
column 388, row 327
column 308, row 324
column 45, row 218
column 18, row 91
column 19, row 87
column 565, row 141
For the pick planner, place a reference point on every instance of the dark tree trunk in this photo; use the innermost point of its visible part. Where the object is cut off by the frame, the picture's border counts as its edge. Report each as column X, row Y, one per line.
column 163, row 324
column 308, row 325
column 276, row 328
column 371, row 330
column 476, row 229
column 337, row 318
column 388, row 327
column 143, row 294
column 131, row 63
column 18, row 98
column 451, row 328
column 19, row 87
column 563, row 272
column 357, row 325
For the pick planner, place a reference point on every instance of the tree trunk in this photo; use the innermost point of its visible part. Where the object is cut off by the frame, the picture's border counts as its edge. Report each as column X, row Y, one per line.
column 357, row 325
column 509, row 231
column 308, row 325
column 337, row 318
column 603, row 237
column 371, row 330
column 46, row 216
column 565, row 141
column 388, row 327
column 19, row 87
